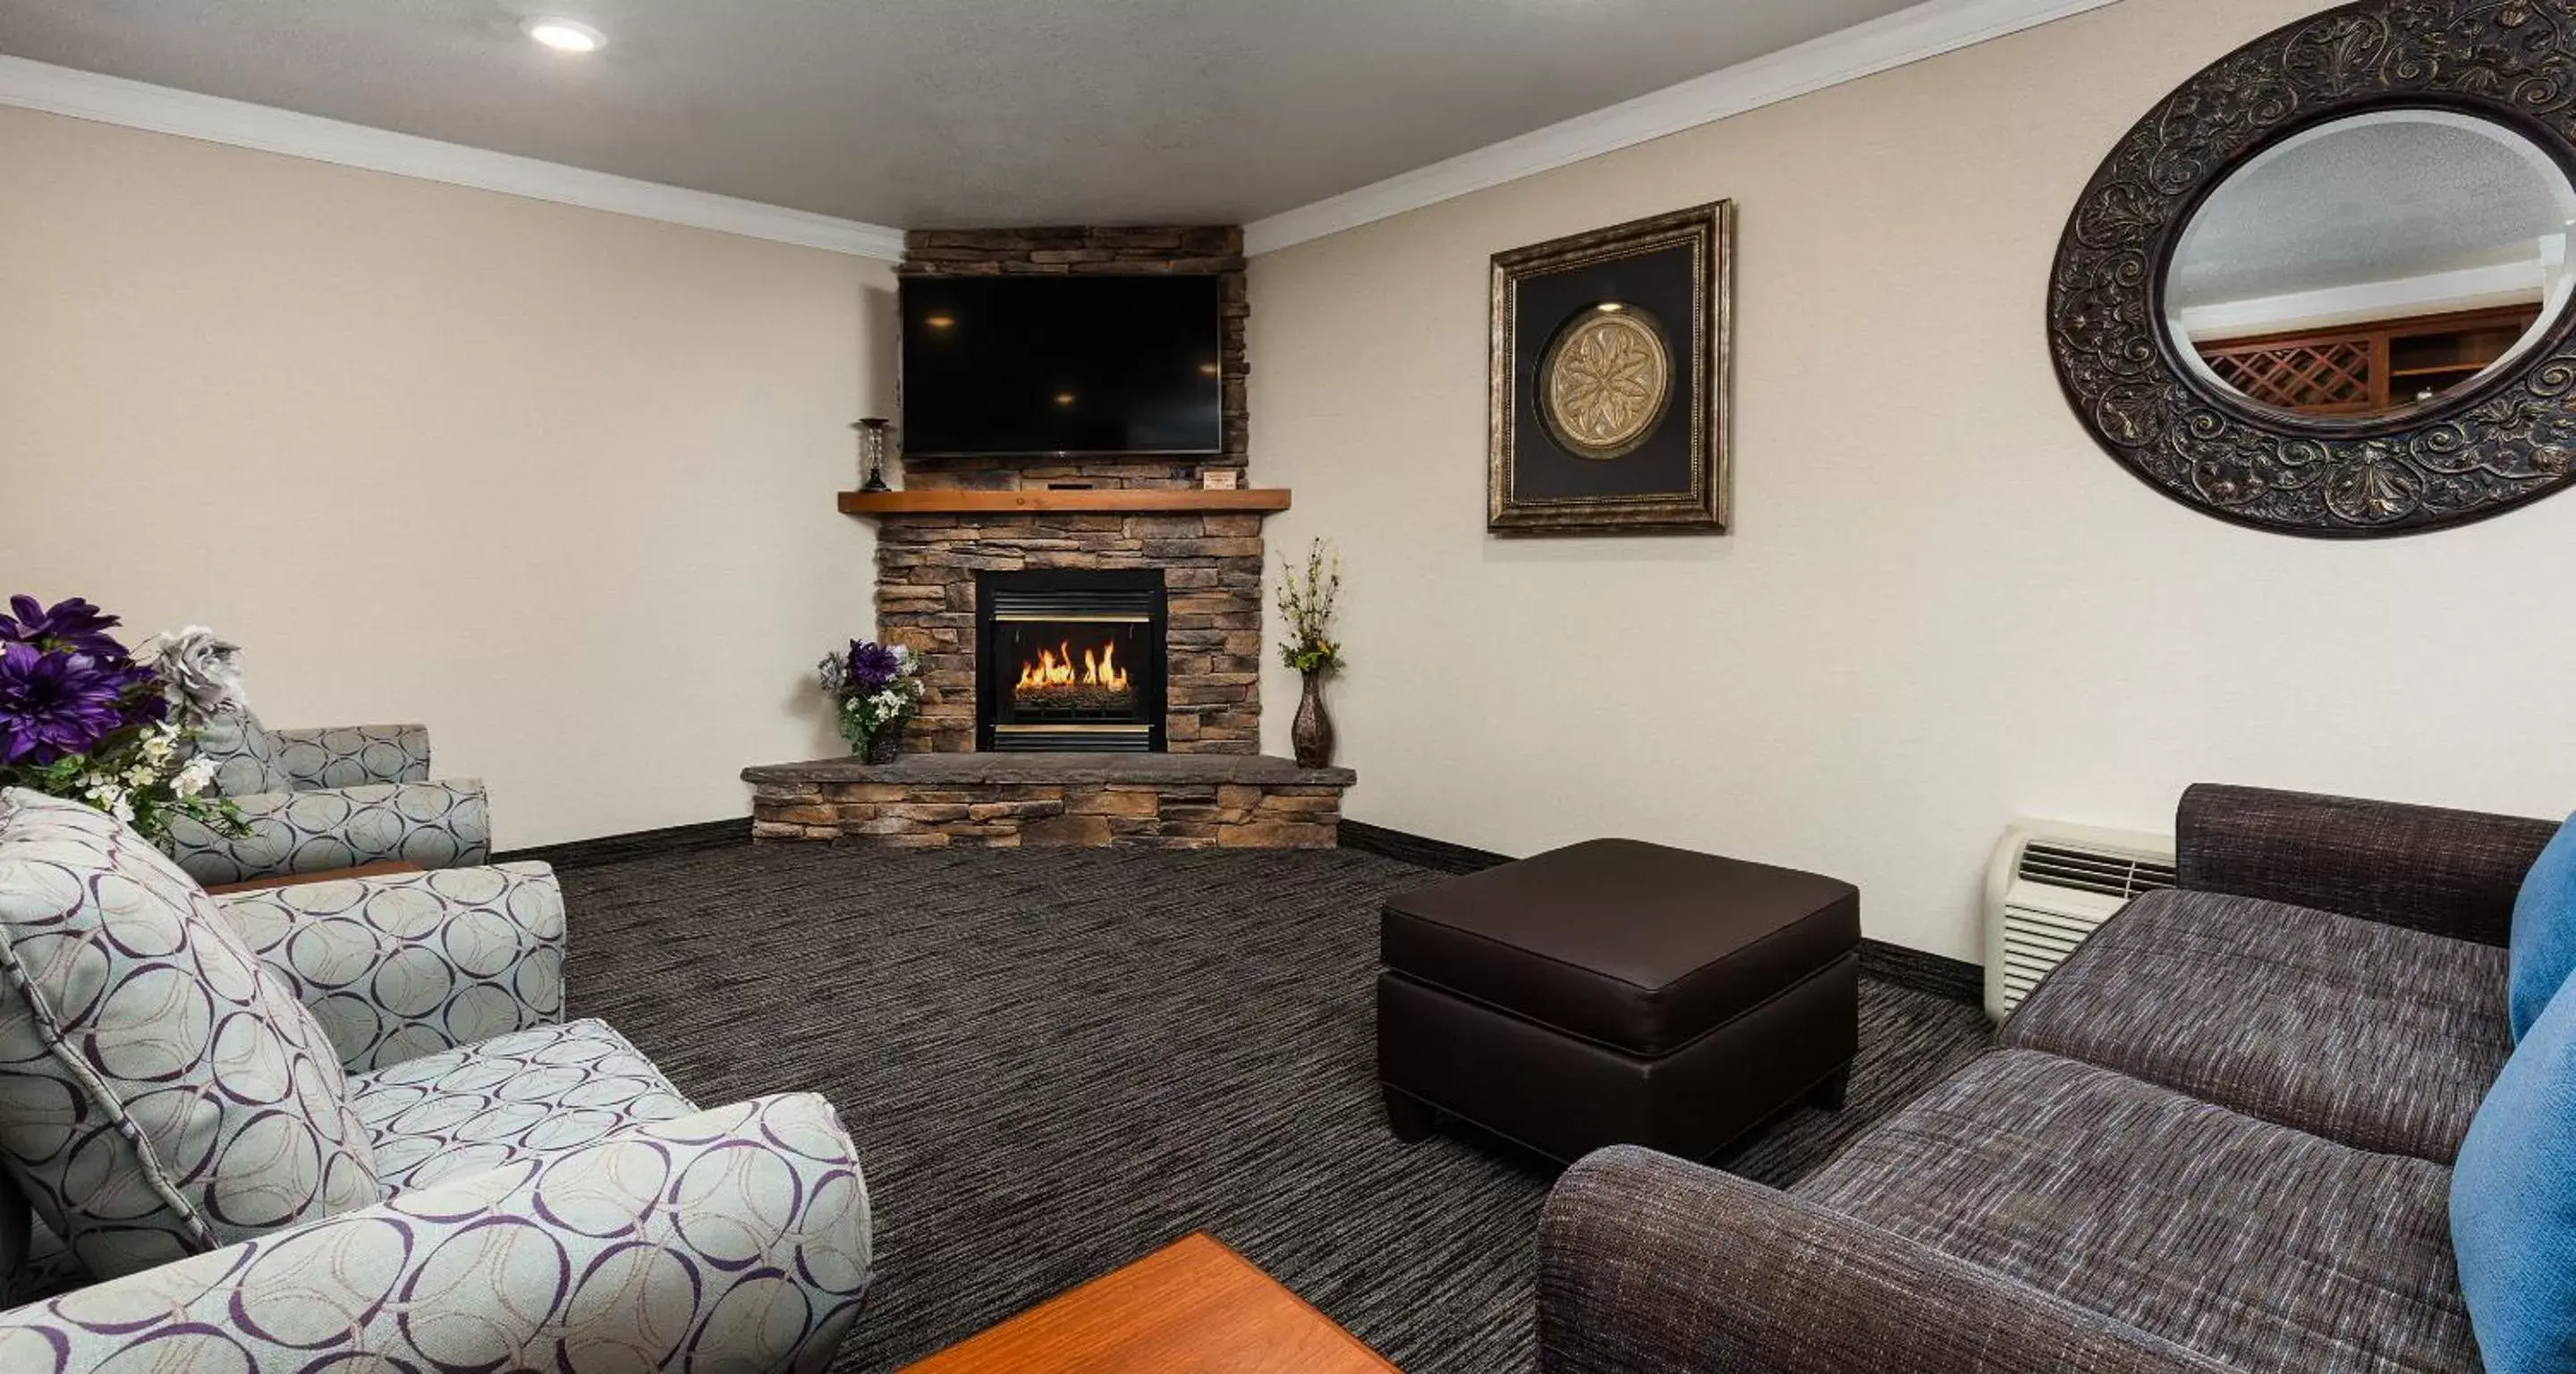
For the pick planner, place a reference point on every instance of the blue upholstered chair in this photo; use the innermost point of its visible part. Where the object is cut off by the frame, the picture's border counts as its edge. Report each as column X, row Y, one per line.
column 333, row 798
column 344, row 1125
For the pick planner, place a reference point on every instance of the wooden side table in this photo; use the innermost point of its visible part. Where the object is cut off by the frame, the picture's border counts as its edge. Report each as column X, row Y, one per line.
column 1192, row 1307
column 387, row 869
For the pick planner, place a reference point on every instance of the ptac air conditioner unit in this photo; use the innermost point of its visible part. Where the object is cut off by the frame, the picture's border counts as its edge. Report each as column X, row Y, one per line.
column 2051, row 885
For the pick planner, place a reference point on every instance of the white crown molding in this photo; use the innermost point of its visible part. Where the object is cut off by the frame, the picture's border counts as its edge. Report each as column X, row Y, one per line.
column 161, row 109
column 2467, row 288
column 1909, row 35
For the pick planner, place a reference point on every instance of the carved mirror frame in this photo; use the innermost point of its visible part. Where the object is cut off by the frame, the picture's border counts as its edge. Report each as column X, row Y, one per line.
column 2477, row 450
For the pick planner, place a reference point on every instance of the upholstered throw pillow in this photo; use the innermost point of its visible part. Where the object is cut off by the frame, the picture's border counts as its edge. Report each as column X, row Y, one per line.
column 2513, row 1204
column 161, row 1093
column 244, row 755
column 2544, row 930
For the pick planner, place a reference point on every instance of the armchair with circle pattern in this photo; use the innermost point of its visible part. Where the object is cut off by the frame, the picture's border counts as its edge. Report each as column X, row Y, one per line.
column 330, row 798
column 531, row 1192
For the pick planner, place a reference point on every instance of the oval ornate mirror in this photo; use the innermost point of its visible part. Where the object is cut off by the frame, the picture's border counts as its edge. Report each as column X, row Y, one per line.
column 2324, row 288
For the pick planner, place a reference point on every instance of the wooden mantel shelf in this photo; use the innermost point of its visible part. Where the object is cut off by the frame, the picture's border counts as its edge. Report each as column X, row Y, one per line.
column 935, row 501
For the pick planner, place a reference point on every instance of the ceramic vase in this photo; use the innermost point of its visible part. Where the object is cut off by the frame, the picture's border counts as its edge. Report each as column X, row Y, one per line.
column 1312, row 733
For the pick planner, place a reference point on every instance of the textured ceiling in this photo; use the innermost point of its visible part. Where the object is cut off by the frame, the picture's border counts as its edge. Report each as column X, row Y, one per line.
column 930, row 112
column 2371, row 200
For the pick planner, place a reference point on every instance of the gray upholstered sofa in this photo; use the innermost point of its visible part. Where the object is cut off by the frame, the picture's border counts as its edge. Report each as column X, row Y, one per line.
column 2218, row 1137
column 329, row 798
column 489, row 1186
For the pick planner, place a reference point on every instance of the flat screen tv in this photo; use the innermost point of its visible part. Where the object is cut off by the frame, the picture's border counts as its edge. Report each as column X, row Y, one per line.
column 1033, row 366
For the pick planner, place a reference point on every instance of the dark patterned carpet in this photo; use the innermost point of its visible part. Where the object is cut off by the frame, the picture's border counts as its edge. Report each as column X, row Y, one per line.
column 1056, row 1061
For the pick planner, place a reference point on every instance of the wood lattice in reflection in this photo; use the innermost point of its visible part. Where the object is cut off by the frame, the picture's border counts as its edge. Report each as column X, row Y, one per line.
column 2323, row 376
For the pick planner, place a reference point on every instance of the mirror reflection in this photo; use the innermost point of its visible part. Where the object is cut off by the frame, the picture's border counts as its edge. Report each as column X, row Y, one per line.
column 2373, row 263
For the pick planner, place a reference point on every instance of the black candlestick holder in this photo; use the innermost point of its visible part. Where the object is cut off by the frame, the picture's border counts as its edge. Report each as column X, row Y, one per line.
column 872, row 452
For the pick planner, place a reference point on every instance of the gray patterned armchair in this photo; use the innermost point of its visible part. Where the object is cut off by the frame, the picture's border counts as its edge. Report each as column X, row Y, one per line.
column 330, row 798
column 462, row 1179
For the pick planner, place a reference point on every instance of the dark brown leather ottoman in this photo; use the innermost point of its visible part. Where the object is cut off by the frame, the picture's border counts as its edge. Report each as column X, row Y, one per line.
column 1617, row 992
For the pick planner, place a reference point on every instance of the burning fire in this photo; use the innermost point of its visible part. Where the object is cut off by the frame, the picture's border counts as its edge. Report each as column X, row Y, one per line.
column 1054, row 668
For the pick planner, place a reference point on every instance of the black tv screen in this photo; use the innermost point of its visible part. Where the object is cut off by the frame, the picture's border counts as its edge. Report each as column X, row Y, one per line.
column 1045, row 365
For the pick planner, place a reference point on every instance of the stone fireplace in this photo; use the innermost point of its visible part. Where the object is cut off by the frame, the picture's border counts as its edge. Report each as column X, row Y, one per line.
column 935, row 570
column 1090, row 629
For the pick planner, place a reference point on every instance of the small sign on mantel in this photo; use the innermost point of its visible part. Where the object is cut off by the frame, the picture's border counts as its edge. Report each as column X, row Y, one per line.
column 1220, row 479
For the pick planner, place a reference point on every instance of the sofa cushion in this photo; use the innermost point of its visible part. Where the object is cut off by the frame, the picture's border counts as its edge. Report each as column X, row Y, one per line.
column 1634, row 945
column 352, row 755
column 524, row 1095
column 2544, row 929
column 245, row 756
column 50, row 1267
column 161, row 1093
column 2260, row 1246
column 2365, row 1033
column 399, row 966
column 444, row 824
column 2513, row 1204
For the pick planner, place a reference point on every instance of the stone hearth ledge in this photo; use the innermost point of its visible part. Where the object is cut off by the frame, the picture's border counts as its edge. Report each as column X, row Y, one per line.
column 1158, row 801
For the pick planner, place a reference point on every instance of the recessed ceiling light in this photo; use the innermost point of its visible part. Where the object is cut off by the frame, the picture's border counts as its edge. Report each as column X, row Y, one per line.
column 565, row 35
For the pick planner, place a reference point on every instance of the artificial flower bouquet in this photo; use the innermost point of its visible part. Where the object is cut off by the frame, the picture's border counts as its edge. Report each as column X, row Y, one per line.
column 81, row 717
column 1306, row 604
column 874, row 689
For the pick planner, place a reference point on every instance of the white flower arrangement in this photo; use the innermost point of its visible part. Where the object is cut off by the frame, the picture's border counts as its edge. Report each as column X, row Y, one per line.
column 117, row 793
column 83, row 718
column 876, row 688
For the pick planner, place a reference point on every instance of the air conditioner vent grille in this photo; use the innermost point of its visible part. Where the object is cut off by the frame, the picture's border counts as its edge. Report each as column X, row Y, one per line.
column 2049, row 887
column 2112, row 875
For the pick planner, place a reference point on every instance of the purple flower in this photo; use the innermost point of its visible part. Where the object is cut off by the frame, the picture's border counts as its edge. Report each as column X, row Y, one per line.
column 57, row 703
column 75, row 625
column 145, row 701
column 872, row 666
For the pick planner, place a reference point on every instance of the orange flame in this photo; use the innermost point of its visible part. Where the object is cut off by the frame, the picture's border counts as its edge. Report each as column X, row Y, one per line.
column 1054, row 668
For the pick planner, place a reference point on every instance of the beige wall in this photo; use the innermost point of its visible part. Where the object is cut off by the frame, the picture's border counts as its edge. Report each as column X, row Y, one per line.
column 1942, row 604
column 554, row 481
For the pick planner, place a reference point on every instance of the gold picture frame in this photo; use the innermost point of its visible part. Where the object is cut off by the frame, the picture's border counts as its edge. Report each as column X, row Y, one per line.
column 1612, row 378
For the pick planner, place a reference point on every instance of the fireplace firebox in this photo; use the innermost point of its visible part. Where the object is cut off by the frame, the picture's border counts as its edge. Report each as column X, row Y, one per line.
column 1069, row 660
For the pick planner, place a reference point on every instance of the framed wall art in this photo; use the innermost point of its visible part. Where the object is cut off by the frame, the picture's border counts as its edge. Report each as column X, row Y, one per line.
column 1611, row 375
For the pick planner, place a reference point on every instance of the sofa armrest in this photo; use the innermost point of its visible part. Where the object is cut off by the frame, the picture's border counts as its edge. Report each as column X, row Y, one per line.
column 398, row 967
column 1649, row 1265
column 2452, row 873
column 352, row 755
column 734, row 1239
column 443, row 824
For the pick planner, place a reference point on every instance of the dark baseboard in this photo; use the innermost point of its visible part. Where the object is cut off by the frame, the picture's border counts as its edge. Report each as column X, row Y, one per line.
column 640, row 844
column 1919, row 970
column 1923, row 971
column 1416, row 849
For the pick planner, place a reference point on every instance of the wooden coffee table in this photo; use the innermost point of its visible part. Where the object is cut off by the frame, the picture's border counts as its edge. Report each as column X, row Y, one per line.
column 1192, row 1307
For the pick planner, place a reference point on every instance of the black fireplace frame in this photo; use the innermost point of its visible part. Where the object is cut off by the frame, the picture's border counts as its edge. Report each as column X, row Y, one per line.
column 1064, row 594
